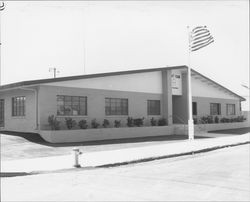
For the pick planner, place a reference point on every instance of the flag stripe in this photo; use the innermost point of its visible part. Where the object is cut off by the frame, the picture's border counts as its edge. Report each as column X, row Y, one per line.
column 195, row 49
column 198, row 28
column 202, row 40
column 201, row 43
column 199, row 34
column 2, row 7
column 201, row 37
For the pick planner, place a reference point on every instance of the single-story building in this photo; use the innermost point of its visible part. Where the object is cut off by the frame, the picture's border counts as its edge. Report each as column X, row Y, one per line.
column 159, row 93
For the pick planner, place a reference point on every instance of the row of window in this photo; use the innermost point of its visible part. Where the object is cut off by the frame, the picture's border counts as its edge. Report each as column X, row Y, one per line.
column 215, row 109
column 77, row 105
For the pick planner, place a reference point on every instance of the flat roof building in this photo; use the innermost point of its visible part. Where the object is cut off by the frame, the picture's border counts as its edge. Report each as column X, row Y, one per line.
column 158, row 93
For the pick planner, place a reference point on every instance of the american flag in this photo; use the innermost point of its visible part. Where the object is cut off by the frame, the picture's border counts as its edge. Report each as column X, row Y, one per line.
column 2, row 7
column 199, row 38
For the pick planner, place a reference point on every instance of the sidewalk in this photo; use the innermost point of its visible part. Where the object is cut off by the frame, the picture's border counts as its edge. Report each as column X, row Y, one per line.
column 120, row 156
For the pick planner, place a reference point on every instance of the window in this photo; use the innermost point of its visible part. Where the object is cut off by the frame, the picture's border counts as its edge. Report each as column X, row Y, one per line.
column 194, row 107
column 116, row 106
column 215, row 109
column 230, row 109
column 71, row 105
column 18, row 106
column 154, row 107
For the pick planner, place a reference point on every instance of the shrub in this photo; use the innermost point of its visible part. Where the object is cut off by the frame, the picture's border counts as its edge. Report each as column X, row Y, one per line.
column 138, row 122
column 153, row 121
column 83, row 124
column 195, row 120
column 117, row 124
column 224, row 120
column 240, row 119
column 230, row 120
column 105, row 123
column 70, row 123
column 162, row 122
column 207, row 119
column 53, row 123
column 130, row 122
column 216, row 119
column 94, row 123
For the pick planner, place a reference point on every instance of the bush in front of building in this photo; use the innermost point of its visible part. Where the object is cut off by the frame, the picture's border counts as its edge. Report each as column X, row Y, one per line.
column 216, row 119
column 53, row 123
column 153, row 121
column 162, row 122
column 117, row 123
column 195, row 120
column 231, row 120
column 241, row 118
column 206, row 119
column 94, row 123
column 70, row 123
column 138, row 122
column 130, row 122
column 105, row 123
column 83, row 124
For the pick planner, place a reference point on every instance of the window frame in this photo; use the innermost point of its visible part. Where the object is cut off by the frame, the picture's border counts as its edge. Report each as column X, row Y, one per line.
column 153, row 112
column 70, row 102
column 218, row 109
column 18, row 106
column 114, row 105
column 234, row 109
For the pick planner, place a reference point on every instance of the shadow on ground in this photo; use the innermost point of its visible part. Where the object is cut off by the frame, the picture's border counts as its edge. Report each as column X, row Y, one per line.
column 36, row 138
column 13, row 174
column 237, row 131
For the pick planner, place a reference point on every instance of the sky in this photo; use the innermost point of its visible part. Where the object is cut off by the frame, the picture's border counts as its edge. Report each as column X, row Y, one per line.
column 83, row 37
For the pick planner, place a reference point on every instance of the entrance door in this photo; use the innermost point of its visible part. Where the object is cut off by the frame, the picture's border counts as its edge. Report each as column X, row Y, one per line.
column 1, row 112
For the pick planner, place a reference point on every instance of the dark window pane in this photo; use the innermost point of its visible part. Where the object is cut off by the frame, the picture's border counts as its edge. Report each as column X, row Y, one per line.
column 71, row 105
column 215, row 109
column 154, row 107
column 194, row 107
column 116, row 106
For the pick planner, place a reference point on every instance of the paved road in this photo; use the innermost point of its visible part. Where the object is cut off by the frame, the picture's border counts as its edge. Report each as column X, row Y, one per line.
column 221, row 175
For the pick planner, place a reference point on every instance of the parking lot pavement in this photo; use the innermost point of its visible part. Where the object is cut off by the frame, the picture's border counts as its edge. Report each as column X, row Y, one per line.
column 17, row 146
column 220, row 175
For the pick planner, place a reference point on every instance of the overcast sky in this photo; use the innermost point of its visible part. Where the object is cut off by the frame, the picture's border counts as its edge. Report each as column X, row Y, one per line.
column 123, row 35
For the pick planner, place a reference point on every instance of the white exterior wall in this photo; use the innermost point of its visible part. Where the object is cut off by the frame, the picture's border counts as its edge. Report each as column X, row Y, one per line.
column 149, row 82
column 203, row 89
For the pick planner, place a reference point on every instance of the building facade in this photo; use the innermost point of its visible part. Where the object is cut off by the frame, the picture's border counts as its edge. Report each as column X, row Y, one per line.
column 149, row 93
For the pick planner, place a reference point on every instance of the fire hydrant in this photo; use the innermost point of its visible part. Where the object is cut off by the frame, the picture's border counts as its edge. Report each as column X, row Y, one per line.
column 76, row 153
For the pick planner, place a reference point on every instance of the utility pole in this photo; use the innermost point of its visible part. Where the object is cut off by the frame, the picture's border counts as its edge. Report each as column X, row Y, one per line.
column 2, row 7
column 54, row 71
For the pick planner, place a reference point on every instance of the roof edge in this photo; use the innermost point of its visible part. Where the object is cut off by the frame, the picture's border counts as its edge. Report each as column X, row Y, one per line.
column 68, row 78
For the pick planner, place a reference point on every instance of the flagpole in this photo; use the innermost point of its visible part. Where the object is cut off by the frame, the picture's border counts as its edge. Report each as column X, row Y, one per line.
column 1, row 9
column 190, row 111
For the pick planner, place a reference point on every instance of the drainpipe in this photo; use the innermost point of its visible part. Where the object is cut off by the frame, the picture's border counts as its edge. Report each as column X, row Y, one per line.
column 36, row 97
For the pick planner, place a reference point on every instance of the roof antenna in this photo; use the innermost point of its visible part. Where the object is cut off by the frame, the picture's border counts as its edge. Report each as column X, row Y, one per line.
column 54, row 71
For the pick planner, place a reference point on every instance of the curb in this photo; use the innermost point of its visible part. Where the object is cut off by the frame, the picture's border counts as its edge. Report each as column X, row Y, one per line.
column 17, row 174
column 170, row 156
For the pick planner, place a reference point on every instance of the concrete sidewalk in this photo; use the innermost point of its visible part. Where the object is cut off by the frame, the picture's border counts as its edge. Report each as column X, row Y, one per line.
column 120, row 156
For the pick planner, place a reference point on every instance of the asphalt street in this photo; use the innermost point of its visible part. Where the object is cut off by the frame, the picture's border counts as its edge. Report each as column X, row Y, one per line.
column 220, row 175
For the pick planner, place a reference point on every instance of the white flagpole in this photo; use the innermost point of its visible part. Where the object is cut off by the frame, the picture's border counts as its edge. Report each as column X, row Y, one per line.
column 190, row 111
column 1, row 9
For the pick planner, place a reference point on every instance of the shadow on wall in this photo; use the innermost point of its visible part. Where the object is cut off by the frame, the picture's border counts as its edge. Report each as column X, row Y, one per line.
column 36, row 138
